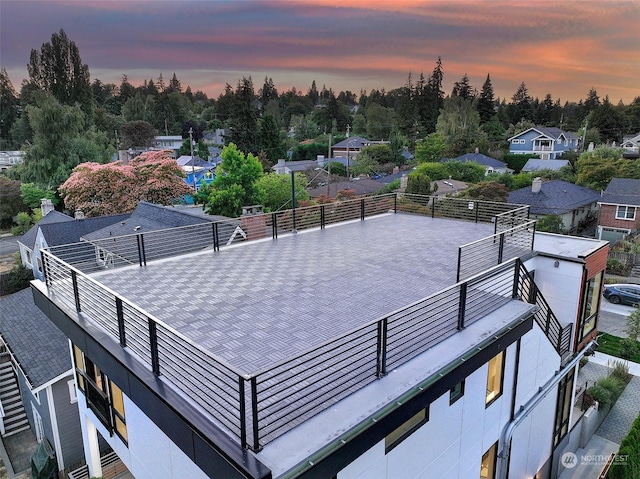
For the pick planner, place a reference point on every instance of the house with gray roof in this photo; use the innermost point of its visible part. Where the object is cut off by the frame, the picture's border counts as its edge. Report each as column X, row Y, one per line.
column 619, row 209
column 576, row 205
column 548, row 143
column 124, row 241
column 55, row 229
column 491, row 165
column 36, row 357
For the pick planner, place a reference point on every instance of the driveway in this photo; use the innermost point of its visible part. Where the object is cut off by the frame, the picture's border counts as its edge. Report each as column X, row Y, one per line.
column 9, row 245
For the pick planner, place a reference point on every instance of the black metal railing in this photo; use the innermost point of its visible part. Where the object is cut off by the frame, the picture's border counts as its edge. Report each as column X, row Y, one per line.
column 141, row 247
column 484, row 253
column 527, row 290
column 258, row 406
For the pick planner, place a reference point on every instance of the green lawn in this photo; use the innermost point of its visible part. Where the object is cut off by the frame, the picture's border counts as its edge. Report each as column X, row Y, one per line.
column 610, row 344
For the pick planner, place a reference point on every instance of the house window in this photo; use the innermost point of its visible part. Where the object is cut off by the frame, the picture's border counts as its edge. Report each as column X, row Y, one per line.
column 28, row 256
column 495, row 378
column 563, row 408
column 39, row 263
column 103, row 397
column 456, row 392
column 405, row 430
column 488, row 465
column 73, row 392
column 591, row 301
column 626, row 213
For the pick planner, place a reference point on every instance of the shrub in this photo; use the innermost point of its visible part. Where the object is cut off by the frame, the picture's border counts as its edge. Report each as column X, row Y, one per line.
column 621, row 371
column 612, row 384
column 600, row 394
column 19, row 278
column 630, row 451
column 615, row 266
column 628, row 348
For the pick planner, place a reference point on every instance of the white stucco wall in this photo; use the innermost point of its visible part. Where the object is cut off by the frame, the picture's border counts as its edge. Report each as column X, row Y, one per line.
column 452, row 443
column 162, row 461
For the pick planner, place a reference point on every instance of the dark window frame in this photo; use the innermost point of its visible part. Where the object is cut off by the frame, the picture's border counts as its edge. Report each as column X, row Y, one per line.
column 396, row 442
column 455, row 393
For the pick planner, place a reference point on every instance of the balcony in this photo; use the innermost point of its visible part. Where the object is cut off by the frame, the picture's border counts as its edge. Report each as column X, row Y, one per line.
column 270, row 328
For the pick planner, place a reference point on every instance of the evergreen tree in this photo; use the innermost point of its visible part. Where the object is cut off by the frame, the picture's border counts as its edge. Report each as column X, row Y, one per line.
column 58, row 69
column 270, row 141
column 435, row 95
column 267, row 93
column 463, row 89
column 174, row 85
column 486, row 102
column 243, row 126
column 520, row 107
column 592, row 102
column 313, row 94
column 9, row 104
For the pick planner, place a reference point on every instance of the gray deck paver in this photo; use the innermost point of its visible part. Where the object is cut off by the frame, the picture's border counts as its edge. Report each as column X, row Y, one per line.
column 245, row 303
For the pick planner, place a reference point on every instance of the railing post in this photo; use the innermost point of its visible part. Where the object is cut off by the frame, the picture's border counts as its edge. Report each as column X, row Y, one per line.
column 254, row 414
column 462, row 305
column 274, row 225
column 153, row 345
column 459, row 264
column 533, row 236
column 216, row 237
column 501, row 248
column 395, row 202
column 76, row 292
column 144, row 254
column 381, row 355
column 517, row 270
column 121, row 331
column 243, row 413
column 547, row 323
column 477, row 205
column 362, row 209
column 45, row 272
column 322, row 220
column 433, row 206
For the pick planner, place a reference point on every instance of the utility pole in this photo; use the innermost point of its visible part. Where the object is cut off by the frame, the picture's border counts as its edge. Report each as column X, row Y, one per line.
column 584, row 133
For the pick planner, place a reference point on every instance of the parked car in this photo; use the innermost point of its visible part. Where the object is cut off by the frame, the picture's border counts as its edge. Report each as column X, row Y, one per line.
column 623, row 294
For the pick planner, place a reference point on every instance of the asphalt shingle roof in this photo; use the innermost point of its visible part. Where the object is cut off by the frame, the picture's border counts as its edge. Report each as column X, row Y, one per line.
column 480, row 159
column 29, row 238
column 59, row 229
column 41, row 349
column 555, row 197
column 622, row 191
column 151, row 217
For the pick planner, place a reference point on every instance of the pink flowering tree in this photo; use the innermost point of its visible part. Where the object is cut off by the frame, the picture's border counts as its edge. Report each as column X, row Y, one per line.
column 115, row 188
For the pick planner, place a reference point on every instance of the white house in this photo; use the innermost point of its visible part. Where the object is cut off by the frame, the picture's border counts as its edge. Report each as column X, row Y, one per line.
column 431, row 359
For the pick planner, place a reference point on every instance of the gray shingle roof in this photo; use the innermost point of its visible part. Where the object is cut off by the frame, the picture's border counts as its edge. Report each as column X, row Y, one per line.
column 622, row 191
column 151, row 217
column 59, row 229
column 550, row 132
column 361, row 187
column 353, row 142
column 41, row 349
column 29, row 238
column 555, row 197
column 480, row 159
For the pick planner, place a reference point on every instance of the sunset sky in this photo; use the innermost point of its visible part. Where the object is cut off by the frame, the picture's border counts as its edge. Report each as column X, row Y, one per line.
column 559, row 47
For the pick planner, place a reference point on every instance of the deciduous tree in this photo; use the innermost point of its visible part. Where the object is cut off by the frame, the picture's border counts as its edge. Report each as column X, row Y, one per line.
column 235, row 185
column 276, row 190
column 116, row 188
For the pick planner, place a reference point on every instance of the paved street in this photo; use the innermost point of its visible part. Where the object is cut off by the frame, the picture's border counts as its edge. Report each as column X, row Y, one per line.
column 612, row 318
column 9, row 244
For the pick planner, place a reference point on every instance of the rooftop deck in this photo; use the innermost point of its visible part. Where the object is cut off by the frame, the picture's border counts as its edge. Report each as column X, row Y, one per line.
column 263, row 302
column 265, row 334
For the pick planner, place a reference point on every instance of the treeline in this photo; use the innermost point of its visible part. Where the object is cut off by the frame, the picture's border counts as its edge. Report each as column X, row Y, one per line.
column 266, row 122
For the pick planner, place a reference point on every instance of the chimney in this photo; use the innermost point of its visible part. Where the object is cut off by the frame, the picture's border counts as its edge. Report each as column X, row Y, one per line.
column 403, row 182
column 79, row 215
column 477, row 150
column 536, row 185
column 320, row 160
column 46, row 206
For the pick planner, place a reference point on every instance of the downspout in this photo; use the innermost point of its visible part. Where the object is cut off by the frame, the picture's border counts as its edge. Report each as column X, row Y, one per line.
column 530, row 405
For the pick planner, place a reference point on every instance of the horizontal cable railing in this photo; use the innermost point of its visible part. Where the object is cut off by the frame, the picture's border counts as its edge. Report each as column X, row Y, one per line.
column 511, row 218
column 140, row 247
column 260, row 406
column 559, row 336
column 484, row 253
